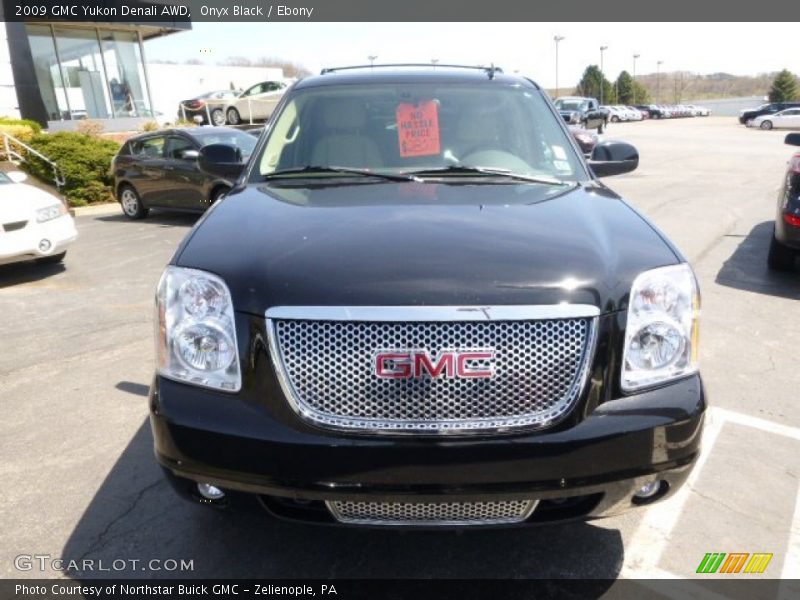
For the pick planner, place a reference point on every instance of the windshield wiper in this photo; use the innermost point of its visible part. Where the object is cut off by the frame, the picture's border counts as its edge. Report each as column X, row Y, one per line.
column 321, row 170
column 487, row 172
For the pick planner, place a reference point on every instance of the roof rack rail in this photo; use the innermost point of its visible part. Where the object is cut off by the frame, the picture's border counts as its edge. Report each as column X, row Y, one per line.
column 490, row 70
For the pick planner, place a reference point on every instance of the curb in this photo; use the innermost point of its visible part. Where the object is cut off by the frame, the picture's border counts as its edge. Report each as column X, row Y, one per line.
column 97, row 209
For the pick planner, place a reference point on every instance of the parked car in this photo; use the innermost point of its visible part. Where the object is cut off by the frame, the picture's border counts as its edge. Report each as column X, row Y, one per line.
column 765, row 109
column 784, row 248
column 616, row 114
column 159, row 170
column 255, row 103
column 635, row 113
column 652, row 110
column 335, row 339
column 699, row 111
column 785, row 119
column 577, row 110
column 34, row 224
column 586, row 139
column 199, row 108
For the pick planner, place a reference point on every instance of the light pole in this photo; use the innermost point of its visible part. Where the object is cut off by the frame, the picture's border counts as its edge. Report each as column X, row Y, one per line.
column 371, row 59
column 602, row 76
column 658, row 81
column 434, row 61
column 635, row 56
column 557, row 39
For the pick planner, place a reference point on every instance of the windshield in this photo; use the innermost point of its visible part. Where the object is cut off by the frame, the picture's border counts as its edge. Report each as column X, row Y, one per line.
column 570, row 104
column 407, row 128
column 244, row 141
column 4, row 178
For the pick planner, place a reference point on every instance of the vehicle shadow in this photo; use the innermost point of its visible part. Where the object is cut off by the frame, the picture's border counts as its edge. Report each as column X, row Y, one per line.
column 163, row 219
column 747, row 270
column 28, row 272
column 135, row 515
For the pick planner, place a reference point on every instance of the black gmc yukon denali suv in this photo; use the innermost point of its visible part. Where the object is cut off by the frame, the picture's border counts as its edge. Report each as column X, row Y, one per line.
column 418, row 306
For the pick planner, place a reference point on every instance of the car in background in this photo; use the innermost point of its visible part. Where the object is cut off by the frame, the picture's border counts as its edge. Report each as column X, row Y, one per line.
column 586, row 139
column 699, row 111
column 784, row 247
column 765, row 109
column 256, row 103
column 652, row 110
column 34, row 224
column 159, row 169
column 619, row 113
column 636, row 114
column 210, row 104
column 785, row 119
column 579, row 110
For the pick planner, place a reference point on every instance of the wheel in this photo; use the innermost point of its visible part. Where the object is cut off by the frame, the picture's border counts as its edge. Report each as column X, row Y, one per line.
column 131, row 204
column 615, row 119
column 233, row 116
column 217, row 194
column 218, row 117
column 780, row 258
column 53, row 259
column 766, row 124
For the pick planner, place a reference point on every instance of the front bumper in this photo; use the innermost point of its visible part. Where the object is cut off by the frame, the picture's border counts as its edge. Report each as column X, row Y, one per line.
column 593, row 467
column 23, row 244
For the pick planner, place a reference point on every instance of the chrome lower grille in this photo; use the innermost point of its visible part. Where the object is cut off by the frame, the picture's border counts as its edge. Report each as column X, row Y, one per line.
column 327, row 368
column 431, row 513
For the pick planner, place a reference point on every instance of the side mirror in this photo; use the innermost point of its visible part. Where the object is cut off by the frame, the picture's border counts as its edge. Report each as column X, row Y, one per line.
column 793, row 139
column 613, row 158
column 17, row 176
column 221, row 160
column 190, row 154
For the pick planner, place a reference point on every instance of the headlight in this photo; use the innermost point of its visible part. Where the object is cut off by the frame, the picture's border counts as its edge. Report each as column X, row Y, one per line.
column 661, row 333
column 195, row 330
column 49, row 213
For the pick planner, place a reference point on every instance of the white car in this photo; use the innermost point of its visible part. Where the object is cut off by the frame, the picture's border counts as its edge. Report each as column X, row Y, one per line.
column 699, row 111
column 615, row 114
column 34, row 225
column 255, row 103
column 635, row 113
column 785, row 119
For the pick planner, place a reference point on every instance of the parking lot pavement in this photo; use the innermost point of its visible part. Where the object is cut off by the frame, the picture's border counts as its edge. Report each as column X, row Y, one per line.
column 80, row 481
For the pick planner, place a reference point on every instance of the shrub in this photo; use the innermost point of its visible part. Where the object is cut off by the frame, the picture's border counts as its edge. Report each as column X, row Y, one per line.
column 84, row 161
column 149, row 126
column 90, row 128
column 33, row 125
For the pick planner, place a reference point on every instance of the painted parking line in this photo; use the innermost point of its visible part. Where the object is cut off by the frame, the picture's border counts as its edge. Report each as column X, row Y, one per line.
column 648, row 543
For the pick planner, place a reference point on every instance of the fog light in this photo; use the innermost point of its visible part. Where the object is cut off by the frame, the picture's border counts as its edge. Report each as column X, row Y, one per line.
column 44, row 245
column 210, row 492
column 648, row 490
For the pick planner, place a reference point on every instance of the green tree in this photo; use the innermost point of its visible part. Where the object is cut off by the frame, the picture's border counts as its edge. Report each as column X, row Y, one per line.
column 590, row 85
column 623, row 88
column 642, row 95
column 784, row 87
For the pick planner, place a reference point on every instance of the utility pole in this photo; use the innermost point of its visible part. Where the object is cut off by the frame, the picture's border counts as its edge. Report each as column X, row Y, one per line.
column 602, row 76
column 557, row 39
column 635, row 56
column 658, row 81
column 371, row 59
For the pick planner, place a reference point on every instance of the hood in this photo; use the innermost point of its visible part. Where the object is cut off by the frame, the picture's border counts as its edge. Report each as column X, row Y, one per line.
column 19, row 202
column 424, row 244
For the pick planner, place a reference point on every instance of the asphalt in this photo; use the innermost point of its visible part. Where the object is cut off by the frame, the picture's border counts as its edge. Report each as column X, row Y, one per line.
column 80, row 482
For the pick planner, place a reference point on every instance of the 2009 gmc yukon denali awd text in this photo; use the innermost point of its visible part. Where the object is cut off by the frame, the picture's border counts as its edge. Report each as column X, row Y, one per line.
column 419, row 307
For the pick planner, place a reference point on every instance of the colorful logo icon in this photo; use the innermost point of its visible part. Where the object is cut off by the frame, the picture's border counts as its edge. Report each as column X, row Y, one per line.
column 735, row 562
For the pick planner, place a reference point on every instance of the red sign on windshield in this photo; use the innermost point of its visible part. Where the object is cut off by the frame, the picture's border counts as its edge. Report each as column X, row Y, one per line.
column 418, row 128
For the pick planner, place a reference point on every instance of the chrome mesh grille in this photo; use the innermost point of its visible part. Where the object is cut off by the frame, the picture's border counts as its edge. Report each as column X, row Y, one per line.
column 432, row 513
column 328, row 371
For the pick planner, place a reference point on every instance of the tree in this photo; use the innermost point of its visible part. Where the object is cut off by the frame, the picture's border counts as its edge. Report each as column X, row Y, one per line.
column 590, row 83
column 623, row 88
column 784, row 87
column 642, row 95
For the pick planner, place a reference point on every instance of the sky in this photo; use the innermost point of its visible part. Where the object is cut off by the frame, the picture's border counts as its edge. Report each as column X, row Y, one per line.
column 737, row 48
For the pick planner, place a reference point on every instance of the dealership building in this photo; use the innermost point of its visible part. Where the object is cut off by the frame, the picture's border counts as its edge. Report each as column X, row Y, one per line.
column 58, row 73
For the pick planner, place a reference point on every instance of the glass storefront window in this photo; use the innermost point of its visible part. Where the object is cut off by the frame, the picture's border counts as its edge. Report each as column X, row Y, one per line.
column 82, row 69
column 126, row 76
column 89, row 73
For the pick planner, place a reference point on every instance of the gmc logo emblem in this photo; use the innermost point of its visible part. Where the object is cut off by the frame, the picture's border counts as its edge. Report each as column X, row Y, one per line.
column 415, row 364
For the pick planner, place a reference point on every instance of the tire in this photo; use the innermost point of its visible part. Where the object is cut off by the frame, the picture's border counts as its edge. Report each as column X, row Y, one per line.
column 131, row 203
column 234, row 118
column 217, row 117
column 614, row 119
column 53, row 259
column 766, row 125
column 218, row 193
column 780, row 258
